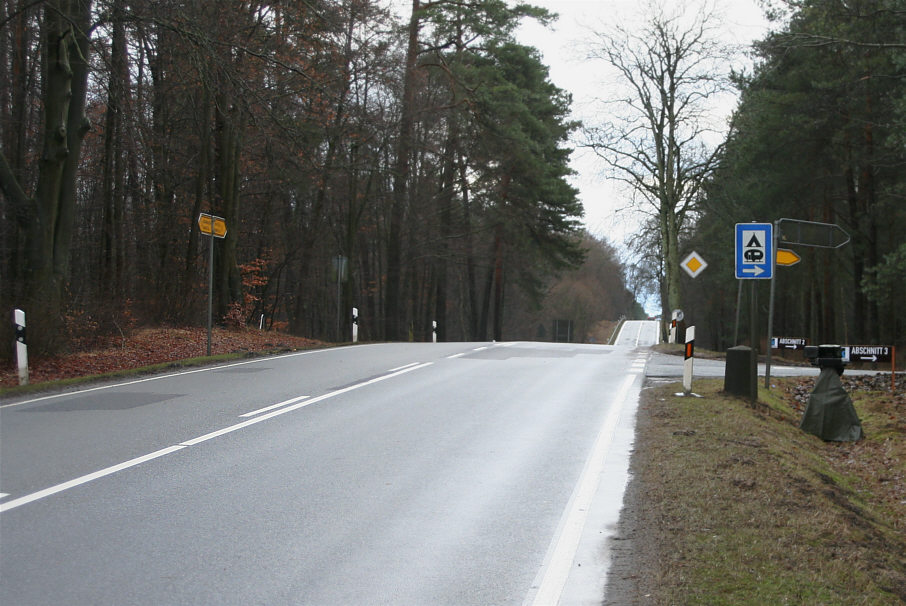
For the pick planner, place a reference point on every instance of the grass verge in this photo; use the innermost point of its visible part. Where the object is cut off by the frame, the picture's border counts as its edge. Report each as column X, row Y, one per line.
column 731, row 504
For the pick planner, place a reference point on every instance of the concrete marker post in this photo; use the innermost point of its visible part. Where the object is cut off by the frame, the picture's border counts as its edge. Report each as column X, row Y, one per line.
column 21, row 346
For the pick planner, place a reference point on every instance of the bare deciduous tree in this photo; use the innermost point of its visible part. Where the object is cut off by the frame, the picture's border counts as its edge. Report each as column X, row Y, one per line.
column 670, row 71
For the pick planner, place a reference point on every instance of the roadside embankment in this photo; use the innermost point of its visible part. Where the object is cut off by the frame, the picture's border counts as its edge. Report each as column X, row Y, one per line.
column 733, row 504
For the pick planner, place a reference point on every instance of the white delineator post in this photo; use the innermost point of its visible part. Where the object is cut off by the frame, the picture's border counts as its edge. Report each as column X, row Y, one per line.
column 433, row 331
column 21, row 347
column 675, row 318
column 687, row 363
column 355, row 324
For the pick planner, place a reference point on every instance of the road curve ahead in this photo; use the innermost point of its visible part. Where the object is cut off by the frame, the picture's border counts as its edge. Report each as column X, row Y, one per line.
column 455, row 473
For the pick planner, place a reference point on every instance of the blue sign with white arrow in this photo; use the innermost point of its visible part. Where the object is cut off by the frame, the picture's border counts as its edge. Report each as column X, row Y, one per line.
column 754, row 251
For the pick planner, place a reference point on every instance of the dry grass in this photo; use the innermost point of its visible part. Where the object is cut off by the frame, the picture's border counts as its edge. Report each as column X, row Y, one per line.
column 735, row 505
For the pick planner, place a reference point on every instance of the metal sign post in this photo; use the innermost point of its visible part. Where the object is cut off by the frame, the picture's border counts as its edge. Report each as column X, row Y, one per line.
column 213, row 227
column 801, row 233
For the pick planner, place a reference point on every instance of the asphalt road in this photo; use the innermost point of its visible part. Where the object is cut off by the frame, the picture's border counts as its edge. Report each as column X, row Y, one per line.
column 456, row 473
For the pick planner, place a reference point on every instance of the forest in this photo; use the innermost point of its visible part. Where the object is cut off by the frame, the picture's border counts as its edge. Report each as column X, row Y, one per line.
column 819, row 135
column 415, row 168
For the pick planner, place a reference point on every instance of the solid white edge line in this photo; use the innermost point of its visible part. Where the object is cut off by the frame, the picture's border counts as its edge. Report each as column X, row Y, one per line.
column 165, row 451
column 273, row 406
column 566, row 542
column 159, row 377
column 87, row 478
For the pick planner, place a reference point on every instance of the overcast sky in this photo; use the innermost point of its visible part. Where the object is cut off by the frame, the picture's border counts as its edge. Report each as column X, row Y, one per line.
column 561, row 45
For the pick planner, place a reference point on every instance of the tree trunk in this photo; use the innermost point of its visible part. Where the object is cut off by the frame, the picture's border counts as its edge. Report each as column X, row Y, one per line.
column 392, row 309
column 18, row 69
column 202, row 192
column 498, row 283
column 447, row 187
column 228, row 281
column 48, row 217
column 482, row 332
column 471, row 278
column 671, row 260
column 114, row 164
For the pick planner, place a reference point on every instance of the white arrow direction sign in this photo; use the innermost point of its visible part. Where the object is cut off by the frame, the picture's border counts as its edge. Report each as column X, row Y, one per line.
column 753, row 271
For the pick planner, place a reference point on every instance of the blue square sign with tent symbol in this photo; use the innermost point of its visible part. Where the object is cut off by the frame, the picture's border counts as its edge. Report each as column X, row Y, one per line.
column 754, row 251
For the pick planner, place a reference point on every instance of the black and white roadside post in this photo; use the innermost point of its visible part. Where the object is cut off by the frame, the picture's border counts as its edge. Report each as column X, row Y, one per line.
column 21, row 347
column 688, row 358
column 434, row 331
column 675, row 318
column 355, row 324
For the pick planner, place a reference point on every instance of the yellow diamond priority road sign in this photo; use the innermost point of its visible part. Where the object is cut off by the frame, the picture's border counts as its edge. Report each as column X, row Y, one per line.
column 693, row 264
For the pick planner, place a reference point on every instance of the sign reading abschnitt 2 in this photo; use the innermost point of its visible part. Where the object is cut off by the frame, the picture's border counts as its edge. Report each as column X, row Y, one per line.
column 868, row 353
column 788, row 343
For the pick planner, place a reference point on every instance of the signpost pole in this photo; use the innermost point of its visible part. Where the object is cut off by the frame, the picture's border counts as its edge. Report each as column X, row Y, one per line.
column 210, row 287
column 738, row 305
column 213, row 227
column 753, row 324
column 767, row 362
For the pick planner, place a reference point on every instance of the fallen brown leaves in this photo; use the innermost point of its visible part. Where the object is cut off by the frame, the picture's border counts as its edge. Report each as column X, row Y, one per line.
column 145, row 347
